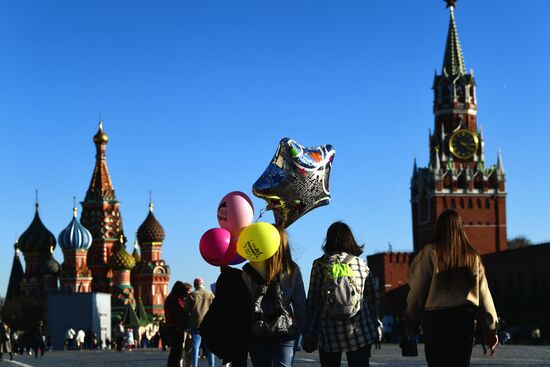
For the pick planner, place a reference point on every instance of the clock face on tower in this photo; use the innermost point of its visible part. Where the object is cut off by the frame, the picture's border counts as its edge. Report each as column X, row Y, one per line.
column 463, row 144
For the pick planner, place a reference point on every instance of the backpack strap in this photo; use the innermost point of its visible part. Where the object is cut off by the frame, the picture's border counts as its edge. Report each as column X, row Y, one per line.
column 348, row 259
column 256, row 277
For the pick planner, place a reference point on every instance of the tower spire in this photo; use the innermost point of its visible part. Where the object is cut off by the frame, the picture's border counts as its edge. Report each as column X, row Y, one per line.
column 36, row 200
column 453, row 62
column 150, row 201
column 500, row 166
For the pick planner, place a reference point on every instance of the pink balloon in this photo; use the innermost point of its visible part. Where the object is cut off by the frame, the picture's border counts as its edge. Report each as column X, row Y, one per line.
column 238, row 259
column 235, row 212
column 214, row 245
column 229, row 255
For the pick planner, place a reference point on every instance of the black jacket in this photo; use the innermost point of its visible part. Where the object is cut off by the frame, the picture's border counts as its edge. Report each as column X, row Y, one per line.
column 226, row 326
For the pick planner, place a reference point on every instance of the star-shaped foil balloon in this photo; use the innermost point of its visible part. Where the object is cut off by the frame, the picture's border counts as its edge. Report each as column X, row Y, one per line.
column 296, row 181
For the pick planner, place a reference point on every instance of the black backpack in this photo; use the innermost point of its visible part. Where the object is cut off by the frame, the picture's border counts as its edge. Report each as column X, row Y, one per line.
column 272, row 320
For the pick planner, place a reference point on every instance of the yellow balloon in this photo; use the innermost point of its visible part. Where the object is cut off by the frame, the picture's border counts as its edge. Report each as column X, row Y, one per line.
column 258, row 241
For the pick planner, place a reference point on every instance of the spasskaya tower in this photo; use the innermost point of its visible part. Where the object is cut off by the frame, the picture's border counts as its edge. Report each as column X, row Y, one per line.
column 457, row 176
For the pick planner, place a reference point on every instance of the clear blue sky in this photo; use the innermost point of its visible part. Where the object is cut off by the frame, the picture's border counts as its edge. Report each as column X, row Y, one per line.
column 195, row 96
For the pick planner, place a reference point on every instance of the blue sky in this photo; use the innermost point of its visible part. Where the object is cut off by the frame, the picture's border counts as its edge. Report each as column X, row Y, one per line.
column 195, row 96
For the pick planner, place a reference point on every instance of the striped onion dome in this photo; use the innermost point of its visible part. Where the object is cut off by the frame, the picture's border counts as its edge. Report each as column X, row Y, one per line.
column 75, row 236
column 36, row 238
column 121, row 259
column 150, row 230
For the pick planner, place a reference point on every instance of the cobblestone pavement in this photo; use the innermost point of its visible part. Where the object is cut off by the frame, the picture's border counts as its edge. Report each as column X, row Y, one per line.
column 507, row 355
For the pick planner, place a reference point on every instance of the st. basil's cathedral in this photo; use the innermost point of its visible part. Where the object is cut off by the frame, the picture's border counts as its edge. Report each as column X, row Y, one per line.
column 94, row 251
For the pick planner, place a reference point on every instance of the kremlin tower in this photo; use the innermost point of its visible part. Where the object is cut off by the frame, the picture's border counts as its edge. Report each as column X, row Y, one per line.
column 75, row 240
column 151, row 275
column 457, row 176
column 101, row 215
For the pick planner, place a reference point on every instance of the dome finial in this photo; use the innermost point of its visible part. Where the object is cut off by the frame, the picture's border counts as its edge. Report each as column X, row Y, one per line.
column 100, row 137
column 36, row 200
column 150, row 201
column 451, row 3
column 74, row 207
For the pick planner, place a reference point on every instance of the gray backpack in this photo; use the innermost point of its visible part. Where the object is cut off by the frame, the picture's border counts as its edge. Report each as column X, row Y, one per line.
column 341, row 294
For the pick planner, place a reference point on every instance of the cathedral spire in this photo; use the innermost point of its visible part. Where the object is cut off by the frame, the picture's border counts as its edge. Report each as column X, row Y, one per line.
column 101, row 187
column 453, row 62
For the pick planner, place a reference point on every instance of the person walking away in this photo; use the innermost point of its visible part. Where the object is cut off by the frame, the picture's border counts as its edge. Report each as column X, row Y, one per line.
column 129, row 339
column 5, row 341
column 39, row 339
column 69, row 338
column 448, row 292
column 80, row 337
column 340, row 301
column 197, row 306
column 119, row 336
column 225, row 329
column 279, row 275
column 176, row 321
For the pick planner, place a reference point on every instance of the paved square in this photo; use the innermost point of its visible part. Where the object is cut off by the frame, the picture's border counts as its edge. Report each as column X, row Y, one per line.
column 507, row 355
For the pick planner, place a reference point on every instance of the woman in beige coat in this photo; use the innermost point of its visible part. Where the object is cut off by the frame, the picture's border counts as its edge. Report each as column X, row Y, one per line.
column 448, row 294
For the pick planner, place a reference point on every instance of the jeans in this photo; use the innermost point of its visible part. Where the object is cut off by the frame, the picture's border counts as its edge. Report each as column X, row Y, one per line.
column 195, row 334
column 357, row 358
column 272, row 354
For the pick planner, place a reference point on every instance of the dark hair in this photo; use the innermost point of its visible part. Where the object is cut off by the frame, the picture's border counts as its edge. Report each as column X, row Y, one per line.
column 457, row 260
column 340, row 239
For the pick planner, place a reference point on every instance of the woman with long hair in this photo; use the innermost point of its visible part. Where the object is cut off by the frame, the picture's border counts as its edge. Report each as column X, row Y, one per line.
column 282, row 269
column 449, row 292
column 352, row 333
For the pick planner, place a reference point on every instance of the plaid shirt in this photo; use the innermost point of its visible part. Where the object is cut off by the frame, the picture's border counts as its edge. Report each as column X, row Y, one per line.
column 341, row 335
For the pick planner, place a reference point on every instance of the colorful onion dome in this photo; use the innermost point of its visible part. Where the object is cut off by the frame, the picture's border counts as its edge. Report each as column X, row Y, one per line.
column 101, row 137
column 150, row 230
column 121, row 259
column 50, row 267
column 75, row 236
column 36, row 238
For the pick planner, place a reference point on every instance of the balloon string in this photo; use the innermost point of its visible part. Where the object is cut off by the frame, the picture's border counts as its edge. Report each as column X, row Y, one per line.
column 262, row 211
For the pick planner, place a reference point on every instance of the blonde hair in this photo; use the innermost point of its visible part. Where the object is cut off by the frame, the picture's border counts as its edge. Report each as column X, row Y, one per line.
column 281, row 263
column 457, row 260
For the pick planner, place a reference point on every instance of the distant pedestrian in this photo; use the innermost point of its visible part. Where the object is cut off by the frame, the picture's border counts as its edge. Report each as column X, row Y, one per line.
column 536, row 335
column 340, row 298
column 197, row 306
column 39, row 339
column 5, row 341
column 119, row 336
column 80, row 339
column 129, row 339
column 177, row 321
column 69, row 338
column 448, row 291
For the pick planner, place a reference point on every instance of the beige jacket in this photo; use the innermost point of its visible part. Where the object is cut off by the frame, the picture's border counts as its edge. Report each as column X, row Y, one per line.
column 197, row 306
column 425, row 294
